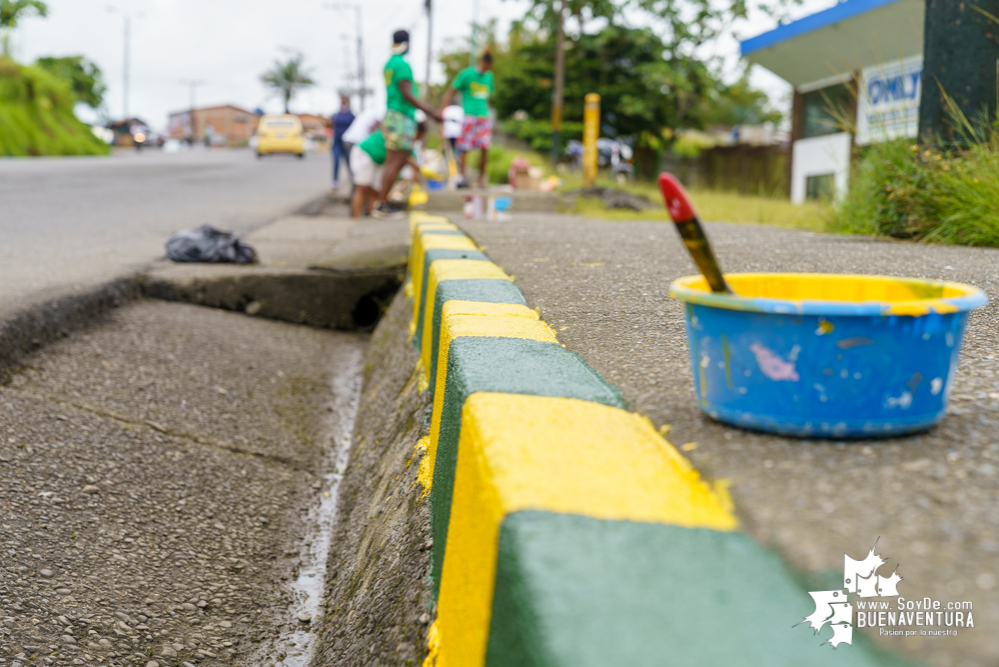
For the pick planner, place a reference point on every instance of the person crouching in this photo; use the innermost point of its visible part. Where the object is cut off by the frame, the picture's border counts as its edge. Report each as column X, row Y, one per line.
column 367, row 170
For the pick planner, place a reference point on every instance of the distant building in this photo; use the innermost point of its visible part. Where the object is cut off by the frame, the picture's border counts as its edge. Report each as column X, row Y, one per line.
column 857, row 73
column 229, row 125
column 226, row 125
column 314, row 126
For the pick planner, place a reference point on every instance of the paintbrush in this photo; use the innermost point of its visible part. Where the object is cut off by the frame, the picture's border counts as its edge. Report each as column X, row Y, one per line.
column 689, row 227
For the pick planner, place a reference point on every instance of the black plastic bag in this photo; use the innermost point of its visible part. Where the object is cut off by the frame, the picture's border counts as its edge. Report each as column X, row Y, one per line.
column 207, row 244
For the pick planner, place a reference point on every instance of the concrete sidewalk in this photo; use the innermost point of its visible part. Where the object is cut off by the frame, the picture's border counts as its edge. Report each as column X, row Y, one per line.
column 931, row 498
column 317, row 267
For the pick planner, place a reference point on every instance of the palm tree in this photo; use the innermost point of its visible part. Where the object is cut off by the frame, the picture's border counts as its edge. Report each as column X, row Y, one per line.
column 287, row 78
column 12, row 10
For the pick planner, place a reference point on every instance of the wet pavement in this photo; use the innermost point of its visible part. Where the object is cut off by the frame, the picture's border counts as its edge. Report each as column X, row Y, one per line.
column 932, row 498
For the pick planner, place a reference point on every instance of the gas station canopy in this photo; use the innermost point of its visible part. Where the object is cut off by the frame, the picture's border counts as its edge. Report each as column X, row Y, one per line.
column 841, row 40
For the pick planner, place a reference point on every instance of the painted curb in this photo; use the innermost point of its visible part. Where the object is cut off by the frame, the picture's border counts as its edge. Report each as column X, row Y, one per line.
column 566, row 530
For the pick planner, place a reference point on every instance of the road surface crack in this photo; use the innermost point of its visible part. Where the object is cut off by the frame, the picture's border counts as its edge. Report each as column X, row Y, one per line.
column 139, row 423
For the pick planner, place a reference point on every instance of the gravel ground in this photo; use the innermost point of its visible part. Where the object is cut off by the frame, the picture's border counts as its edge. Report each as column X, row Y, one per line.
column 155, row 473
column 932, row 498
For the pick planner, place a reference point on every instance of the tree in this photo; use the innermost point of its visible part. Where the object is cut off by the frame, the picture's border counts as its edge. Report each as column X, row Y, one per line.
column 13, row 10
column 288, row 78
column 642, row 92
column 84, row 76
column 682, row 26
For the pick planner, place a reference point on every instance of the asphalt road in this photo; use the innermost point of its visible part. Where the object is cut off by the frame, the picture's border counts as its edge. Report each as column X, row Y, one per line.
column 70, row 223
column 932, row 498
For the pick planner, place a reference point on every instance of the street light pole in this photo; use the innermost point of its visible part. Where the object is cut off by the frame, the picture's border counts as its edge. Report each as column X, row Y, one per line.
column 193, row 84
column 361, row 82
column 126, row 73
column 360, row 57
column 128, row 30
column 475, row 34
column 430, row 45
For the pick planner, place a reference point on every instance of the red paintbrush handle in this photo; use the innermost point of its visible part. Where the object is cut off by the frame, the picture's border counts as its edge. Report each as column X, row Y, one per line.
column 689, row 227
column 677, row 202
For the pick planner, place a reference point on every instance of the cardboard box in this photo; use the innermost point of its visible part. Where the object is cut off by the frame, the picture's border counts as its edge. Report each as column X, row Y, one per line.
column 528, row 180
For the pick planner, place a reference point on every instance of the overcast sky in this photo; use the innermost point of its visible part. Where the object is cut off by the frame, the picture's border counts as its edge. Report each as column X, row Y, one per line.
column 228, row 43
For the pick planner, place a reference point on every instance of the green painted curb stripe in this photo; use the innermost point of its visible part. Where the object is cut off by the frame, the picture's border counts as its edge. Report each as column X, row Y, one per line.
column 453, row 232
column 466, row 289
column 500, row 365
column 573, row 591
column 429, row 257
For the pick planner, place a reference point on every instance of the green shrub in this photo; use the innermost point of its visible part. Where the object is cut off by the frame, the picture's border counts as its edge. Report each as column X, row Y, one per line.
column 928, row 192
column 36, row 115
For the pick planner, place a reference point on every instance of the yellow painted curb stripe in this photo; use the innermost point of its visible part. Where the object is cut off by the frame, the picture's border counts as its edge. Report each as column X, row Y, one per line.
column 449, row 269
column 561, row 455
column 418, row 253
column 433, row 227
column 499, row 323
column 419, row 217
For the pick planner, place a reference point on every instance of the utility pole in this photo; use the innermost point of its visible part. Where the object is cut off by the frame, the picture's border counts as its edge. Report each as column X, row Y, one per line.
column 128, row 30
column 126, row 69
column 558, row 88
column 348, row 77
column 362, row 90
column 193, row 84
column 430, row 46
column 475, row 34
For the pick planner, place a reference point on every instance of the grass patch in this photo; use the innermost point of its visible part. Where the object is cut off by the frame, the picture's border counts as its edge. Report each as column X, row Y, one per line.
column 714, row 206
column 711, row 205
column 932, row 193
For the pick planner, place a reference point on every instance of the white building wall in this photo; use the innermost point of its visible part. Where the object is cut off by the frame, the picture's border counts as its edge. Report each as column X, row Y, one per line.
column 817, row 156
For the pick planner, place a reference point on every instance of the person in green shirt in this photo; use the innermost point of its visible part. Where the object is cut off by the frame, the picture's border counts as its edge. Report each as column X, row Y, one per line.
column 475, row 85
column 399, row 125
column 367, row 166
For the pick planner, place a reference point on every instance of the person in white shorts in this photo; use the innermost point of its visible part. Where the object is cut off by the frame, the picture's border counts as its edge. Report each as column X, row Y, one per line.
column 367, row 160
column 454, row 116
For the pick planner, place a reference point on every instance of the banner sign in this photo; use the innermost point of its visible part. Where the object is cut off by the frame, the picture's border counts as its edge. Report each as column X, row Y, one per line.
column 888, row 104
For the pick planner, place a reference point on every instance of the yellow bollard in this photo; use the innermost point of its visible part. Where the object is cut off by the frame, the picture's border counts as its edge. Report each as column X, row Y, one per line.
column 591, row 131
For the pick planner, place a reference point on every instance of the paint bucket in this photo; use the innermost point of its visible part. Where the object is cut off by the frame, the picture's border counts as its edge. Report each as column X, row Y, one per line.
column 817, row 355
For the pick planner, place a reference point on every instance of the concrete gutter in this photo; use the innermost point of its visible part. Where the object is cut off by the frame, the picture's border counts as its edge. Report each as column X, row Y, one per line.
column 566, row 530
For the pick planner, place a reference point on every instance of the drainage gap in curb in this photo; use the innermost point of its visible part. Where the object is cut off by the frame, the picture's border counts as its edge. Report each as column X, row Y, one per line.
column 307, row 589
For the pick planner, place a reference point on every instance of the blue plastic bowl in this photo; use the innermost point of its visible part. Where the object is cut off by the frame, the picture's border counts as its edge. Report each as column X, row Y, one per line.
column 836, row 356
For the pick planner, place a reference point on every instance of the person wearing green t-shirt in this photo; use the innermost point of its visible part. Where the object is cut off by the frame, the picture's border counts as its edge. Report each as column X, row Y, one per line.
column 399, row 126
column 475, row 85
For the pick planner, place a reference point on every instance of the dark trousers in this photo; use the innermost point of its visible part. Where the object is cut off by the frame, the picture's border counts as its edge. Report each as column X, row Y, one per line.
column 340, row 152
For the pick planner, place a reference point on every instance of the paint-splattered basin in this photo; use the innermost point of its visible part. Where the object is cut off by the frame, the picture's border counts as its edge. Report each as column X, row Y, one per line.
column 820, row 355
